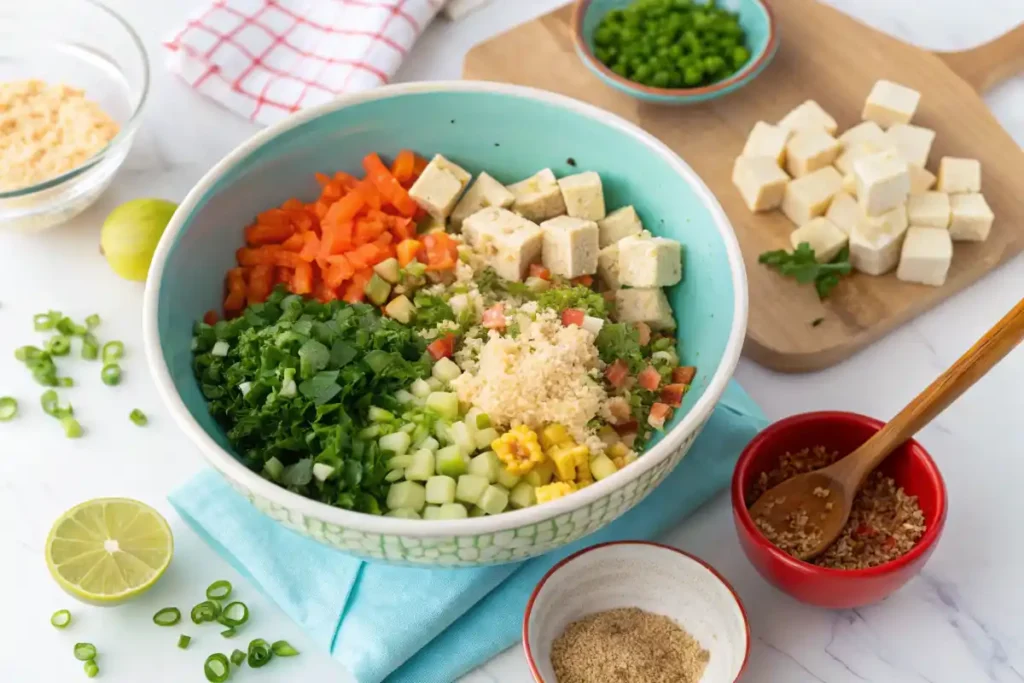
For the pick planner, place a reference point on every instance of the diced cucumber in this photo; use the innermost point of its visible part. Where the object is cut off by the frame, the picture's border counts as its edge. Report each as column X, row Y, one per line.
column 440, row 490
column 422, row 466
column 404, row 397
column 407, row 494
column 432, row 512
column 394, row 475
column 401, row 309
column 445, row 370
column 397, row 442
column 388, row 270
column 404, row 513
column 435, row 384
column 476, row 512
column 408, row 428
column 371, row 432
column 441, row 431
column 493, row 500
column 451, row 461
column 453, row 511
column 471, row 417
column 429, row 443
column 507, row 479
column 220, row 349
column 421, row 435
column 486, row 465
column 470, row 488
column 273, row 469
column 420, row 388
column 377, row 289
column 380, row 415
column 399, row 462
column 462, row 437
column 602, row 467
column 522, row 496
column 541, row 474
column 322, row 471
column 485, row 437
column 444, row 403
column 592, row 325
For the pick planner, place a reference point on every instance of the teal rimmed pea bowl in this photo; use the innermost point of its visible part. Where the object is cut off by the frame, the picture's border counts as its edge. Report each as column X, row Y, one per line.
column 511, row 132
column 755, row 18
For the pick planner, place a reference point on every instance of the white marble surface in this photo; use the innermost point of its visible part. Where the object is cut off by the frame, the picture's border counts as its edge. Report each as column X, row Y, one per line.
column 959, row 622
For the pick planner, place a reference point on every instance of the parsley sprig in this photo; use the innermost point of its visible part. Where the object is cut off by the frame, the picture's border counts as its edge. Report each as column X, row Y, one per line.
column 801, row 265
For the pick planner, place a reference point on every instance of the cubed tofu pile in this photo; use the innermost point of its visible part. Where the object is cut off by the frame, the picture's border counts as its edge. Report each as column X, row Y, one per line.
column 868, row 189
column 561, row 224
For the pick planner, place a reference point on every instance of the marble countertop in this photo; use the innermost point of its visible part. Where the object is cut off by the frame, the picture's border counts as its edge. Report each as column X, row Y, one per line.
column 958, row 622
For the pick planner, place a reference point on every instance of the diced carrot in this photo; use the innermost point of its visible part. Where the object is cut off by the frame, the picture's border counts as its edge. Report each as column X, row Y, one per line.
column 324, row 293
column 403, row 228
column 273, row 217
column 396, row 195
column 302, row 280
column 617, row 372
column 419, row 165
column 649, row 378
column 442, row 347
column 282, row 275
column 268, row 233
column 210, row 317
column 403, row 166
column 311, row 247
column 441, row 251
column 339, row 270
column 537, row 270
column 321, row 179
column 294, row 243
column 660, row 412
column 347, row 180
column 369, row 254
column 573, row 316
column 234, row 302
column 346, row 208
column 684, row 374
column 268, row 255
column 355, row 291
column 407, row 250
column 367, row 230
column 644, row 333
column 672, row 394
column 374, row 199
column 494, row 317
column 261, row 282
column 303, row 221
column 585, row 280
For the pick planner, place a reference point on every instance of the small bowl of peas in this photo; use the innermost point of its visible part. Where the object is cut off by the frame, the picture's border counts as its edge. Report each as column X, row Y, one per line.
column 675, row 51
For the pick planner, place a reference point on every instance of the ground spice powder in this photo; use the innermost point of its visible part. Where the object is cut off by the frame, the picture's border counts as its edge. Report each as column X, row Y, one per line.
column 627, row 645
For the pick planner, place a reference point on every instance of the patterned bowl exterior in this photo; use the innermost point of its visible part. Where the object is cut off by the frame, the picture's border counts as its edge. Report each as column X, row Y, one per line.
column 537, row 129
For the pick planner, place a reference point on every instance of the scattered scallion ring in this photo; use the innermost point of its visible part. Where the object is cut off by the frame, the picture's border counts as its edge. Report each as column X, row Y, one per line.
column 91, row 669
column 111, row 374
column 237, row 657
column 205, row 611
column 44, row 322
column 92, row 321
column 217, row 668
column 70, row 328
column 8, row 408
column 183, row 641
column 219, row 590
column 61, row 618
column 168, row 616
column 90, row 346
column 229, row 632
column 72, row 428
column 282, row 648
column 58, row 345
column 65, row 382
column 234, row 614
column 113, row 351
column 85, row 652
column 138, row 417
column 260, row 653
column 49, row 401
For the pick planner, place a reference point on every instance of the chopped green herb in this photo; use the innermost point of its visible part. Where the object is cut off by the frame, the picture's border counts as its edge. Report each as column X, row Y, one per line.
column 621, row 340
column 85, row 651
column 183, row 641
column 61, row 618
column 281, row 648
column 138, row 417
column 801, row 265
column 111, row 374
column 168, row 616
column 217, row 668
column 260, row 653
column 430, row 311
column 576, row 296
column 8, row 408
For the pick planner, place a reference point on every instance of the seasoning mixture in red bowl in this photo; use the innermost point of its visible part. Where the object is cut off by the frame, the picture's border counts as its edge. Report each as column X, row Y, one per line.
column 897, row 518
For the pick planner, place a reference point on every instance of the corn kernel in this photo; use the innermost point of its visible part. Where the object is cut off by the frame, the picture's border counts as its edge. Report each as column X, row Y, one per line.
column 519, row 450
column 565, row 462
column 541, row 474
column 554, row 435
column 553, row 491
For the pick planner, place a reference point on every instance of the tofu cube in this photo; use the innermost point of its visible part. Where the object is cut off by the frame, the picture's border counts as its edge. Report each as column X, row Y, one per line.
column 823, row 236
column 570, row 246
column 583, row 195
column 890, row 103
column 650, row 261
column 507, row 242
column 810, row 196
column 913, row 142
column 618, row 224
column 854, row 151
column 883, row 182
column 893, row 221
column 608, row 266
column 850, row 184
column 766, row 140
column 538, row 197
column 485, row 191
column 875, row 243
column 929, row 210
column 921, row 180
column 808, row 150
column 971, row 217
column 644, row 306
column 439, row 186
column 957, row 176
column 809, row 115
column 925, row 257
column 492, row 219
column 866, row 131
column 761, row 183
column 844, row 212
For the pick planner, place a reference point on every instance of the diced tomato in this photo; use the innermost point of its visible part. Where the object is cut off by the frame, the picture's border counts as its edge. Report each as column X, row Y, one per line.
column 442, row 347
column 644, row 331
column 573, row 316
column 210, row 317
column 616, row 373
column 865, row 531
column 649, row 378
column 585, row 280
column 537, row 270
column 441, row 250
column 684, row 374
column 660, row 413
column 672, row 394
column 407, row 250
column 627, row 427
column 494, row 317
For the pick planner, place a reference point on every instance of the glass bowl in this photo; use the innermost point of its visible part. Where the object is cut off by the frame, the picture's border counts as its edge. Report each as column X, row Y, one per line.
column 91, row 48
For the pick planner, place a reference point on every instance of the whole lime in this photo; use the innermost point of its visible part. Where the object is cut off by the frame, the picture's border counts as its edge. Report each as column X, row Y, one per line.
column 130, row 235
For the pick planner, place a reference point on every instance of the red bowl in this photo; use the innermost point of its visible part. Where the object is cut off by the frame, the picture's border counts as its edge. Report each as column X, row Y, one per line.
column 910, row 466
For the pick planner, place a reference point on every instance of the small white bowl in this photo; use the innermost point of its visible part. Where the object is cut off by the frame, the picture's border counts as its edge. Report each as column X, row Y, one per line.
column 654, row 577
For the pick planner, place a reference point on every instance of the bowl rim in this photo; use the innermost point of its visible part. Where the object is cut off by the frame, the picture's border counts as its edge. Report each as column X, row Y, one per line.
column 579, row 11
column 124, row 132
column 646, row 545
column 744, row 470
column 234, row 470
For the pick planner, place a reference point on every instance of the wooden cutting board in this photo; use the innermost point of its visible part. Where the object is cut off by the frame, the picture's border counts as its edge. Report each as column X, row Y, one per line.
column 830, row 57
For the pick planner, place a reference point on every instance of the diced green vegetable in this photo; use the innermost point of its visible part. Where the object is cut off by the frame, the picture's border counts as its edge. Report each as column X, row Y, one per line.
column 445, row 404
column 234, row 614
column 440, row 490
column 90, row 347
column 183, row 641
column 539, row 476
column 422, row 466
column 377, row 289
column 429, row 443
column 401, row 309
column 432, row 512
column 92, row 321
column 451, row 461
column 485, row 437
column 396, row 442
column 72, row 428
column 375, row 414
column 84, row 651
column 138, row 417
column 113, row 351
column 487, row 465
column 220, row 349
column 453, row 511
column 470, row 487
column 237, row 657
column 399, row 462
column 420, row 388
column 404, row 397
column 523, row 495
column 403, row 513
column 476, row 512
column 58, row 345
column 91, row 668
column 395, row 475
column 111, row 374
column 506, row 478
column 281, row 648
column 259, row 653
column 482, row 421
column 388, row 270
column 8, row 408
column 602, row 467
column 462, row 437
column 407, row 494
column 445, row 370
column 435, row 384
column 493, row 500
column 273, row 469
column 323, row 471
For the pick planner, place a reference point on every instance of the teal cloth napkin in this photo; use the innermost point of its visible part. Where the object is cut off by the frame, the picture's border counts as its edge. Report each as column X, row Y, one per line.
column 408, row 625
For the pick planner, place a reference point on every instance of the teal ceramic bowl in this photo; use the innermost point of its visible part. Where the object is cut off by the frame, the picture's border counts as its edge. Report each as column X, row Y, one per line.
column 754, row 15
column 510, row 132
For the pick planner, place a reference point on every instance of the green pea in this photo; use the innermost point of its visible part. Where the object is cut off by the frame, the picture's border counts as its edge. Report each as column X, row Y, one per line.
column 692, row 76
column 660, row 79
column 621, row 69
column 740, row 55
column 643, row 73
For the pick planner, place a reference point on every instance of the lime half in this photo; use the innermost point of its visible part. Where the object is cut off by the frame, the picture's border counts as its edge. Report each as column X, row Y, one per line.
column 108, row 550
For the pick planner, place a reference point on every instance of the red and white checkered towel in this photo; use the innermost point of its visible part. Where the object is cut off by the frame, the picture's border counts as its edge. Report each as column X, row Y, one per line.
column 266, row 59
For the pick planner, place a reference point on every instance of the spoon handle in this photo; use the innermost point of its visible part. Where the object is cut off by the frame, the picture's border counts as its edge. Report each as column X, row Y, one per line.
column 967, row 370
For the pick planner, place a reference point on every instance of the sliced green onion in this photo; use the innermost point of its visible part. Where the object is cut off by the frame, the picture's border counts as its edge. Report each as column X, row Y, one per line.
column 69, row 327
column 259, row 653
column 90, row 346
column 112, row 351
column 111, row 374
column 205, row 611
column 138, row 417
column 92, row 321
column 85, row 651
column 237, row 657
column 219, row 590
column 8, row 408
column 282, row 648
column 229, row 632
column 234, row 614
column 183, row 641
column 49, row 401
column 44, row 322
column 61, row 618
column 58, row 345
column 168, row 616
column 65, row 382
column 217, row 668
column 45, row 375
column 91, row 669
column 72, row 428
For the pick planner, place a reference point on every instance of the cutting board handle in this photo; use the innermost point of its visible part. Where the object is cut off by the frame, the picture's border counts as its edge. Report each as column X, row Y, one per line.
column 987, row 65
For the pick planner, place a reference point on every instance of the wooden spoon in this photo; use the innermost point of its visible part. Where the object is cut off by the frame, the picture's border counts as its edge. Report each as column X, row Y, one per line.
column 825, row 497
